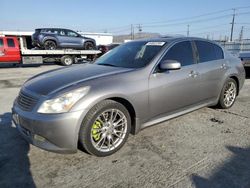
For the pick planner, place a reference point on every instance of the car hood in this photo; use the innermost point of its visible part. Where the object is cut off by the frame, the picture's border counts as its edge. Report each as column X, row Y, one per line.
column 57, row 80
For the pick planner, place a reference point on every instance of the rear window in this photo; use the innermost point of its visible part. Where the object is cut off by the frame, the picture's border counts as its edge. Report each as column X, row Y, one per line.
column 1, row 42
column 10, row 43
column 37, row 30
column 219, row 52
column 208, row 51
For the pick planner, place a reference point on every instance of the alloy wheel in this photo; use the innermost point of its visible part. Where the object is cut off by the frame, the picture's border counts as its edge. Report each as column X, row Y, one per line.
column 109, row 130
column 230, row 94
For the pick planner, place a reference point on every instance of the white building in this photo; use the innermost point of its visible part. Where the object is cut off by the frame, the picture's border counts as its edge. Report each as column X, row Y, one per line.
column 100, row 38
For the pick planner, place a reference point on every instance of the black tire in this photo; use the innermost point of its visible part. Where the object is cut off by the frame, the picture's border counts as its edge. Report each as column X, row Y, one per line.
column 67, row 60
column 50, row 45
column 222, row 101
column 89, row 46
column 85, row 134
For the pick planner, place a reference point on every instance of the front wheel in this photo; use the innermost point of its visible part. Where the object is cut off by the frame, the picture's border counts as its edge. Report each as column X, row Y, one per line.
column 89, row 46
column 105, row 128
column 228, row 94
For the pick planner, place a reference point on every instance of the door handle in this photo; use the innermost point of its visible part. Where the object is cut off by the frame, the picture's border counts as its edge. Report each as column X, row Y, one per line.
column 193, row 74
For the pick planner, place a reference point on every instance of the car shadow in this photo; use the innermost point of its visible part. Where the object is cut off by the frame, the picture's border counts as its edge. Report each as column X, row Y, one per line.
column 234, row 173
column 14, row 160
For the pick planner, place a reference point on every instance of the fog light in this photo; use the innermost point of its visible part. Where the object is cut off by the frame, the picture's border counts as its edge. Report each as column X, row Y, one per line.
column 39, row 138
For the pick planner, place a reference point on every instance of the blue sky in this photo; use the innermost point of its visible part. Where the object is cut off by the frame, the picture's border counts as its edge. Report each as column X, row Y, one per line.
column 116, row 16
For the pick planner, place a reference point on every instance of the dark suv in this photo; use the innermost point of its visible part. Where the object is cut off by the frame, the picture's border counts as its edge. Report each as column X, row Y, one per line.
column 54, row 38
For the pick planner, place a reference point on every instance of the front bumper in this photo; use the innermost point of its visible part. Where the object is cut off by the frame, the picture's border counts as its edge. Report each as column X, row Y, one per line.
column 36, row 43
column 53, row 132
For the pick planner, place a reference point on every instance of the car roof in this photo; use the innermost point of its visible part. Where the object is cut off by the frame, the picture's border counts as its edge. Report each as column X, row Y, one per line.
column 170, row 39
column 53, row 28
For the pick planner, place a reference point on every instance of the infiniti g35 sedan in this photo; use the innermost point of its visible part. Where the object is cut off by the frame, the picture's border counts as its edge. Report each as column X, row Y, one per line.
column 138, row 84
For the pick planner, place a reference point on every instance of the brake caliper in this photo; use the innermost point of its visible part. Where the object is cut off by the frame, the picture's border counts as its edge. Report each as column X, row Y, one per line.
column 95, row 133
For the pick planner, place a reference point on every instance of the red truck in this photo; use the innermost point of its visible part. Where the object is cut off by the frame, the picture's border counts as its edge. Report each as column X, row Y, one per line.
column 9, row 50
column 14, row 50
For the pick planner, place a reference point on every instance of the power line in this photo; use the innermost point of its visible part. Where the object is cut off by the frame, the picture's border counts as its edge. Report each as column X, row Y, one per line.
column 243, row 13
column 189, row 18
column 195, row 21
column 242, row 23
column 198, row 16
column 209, row 32
column 188, row 21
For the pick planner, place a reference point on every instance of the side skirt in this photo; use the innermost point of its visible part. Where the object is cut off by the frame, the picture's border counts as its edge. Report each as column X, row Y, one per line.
column 176, row 114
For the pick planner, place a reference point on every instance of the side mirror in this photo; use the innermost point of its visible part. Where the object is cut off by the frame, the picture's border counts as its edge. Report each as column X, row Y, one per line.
column 169, row 65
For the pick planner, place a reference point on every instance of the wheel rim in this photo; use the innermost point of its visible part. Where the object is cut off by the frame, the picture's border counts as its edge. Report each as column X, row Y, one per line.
column 50, row 45
column 89, row 46
column 109, row 130
column 68, row 61
column 230, row 94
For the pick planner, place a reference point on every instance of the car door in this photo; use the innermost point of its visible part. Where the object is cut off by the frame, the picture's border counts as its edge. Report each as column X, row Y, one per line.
column 2, row 54
column 9, row 50
column 75, row 39
column 174, row 90
column 212, row 67
column 69, row 39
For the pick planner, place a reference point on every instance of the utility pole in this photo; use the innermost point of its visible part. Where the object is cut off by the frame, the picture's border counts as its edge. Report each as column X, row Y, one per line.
column 188, row 30
column 140, row 30
column 232, row 27
column 132, row 32
column 241, row 34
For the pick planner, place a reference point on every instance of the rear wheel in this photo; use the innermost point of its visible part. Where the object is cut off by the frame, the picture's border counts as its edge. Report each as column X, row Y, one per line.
column 105, row 128
column 228, row 94
column 50, row 45
column 67, row 60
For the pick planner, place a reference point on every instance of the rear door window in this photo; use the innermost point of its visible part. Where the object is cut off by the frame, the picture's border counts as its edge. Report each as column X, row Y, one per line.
column 1, row 42
column 208, row 51
column 62, row 32
column 10, row 43
column 181, row 52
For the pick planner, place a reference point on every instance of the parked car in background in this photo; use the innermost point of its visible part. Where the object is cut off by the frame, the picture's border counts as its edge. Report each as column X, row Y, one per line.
column 135, row 85
column 245, row 58
column 54, row 38
column 105, row 48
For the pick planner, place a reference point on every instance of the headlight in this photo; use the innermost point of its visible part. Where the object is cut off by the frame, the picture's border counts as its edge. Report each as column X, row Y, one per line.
column 62, row 103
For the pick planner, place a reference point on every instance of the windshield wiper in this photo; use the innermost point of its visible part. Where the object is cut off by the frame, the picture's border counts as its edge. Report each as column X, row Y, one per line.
column 106, row 64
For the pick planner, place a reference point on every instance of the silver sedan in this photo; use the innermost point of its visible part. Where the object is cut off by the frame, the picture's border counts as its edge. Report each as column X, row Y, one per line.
column 135, row 85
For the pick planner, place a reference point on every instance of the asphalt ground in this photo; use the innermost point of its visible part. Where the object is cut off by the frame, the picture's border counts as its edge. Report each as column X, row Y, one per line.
column 204, row 149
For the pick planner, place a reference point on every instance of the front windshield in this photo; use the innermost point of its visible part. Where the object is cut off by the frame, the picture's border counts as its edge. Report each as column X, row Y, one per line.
column 131, row 55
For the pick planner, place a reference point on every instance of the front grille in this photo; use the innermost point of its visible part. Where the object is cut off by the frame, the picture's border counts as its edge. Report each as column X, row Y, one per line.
column 26, row 102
